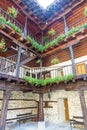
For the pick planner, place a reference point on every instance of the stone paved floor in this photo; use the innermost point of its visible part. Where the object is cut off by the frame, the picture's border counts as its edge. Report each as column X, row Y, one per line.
column 48, row 126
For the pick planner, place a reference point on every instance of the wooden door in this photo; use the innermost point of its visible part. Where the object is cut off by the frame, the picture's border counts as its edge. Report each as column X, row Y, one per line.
column 63, row 109
column 80, row 69
column 66, row 109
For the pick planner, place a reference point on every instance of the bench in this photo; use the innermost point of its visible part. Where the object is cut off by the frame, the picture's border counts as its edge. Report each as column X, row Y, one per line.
column 26, row 116
column 22, row 117
column 76, row 120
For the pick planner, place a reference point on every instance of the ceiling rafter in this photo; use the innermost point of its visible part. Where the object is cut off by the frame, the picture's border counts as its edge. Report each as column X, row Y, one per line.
column 29, row 16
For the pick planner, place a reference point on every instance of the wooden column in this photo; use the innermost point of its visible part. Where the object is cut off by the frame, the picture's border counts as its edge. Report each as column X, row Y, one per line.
column 41, row 111
column 72, row 59
column 84, row 109
column 6, row 97
column 18, row 61
column 40, row 68
column 66, row 27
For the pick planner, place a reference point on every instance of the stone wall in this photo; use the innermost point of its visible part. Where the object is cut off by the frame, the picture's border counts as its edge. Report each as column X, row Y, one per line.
column 55, row 114
column 20, row 103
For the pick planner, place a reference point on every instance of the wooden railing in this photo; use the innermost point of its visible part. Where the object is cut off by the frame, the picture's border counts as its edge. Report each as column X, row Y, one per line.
column 18, row 24
column 10, row 67
column 7, row 66
column 14, row 21
column 77, row 23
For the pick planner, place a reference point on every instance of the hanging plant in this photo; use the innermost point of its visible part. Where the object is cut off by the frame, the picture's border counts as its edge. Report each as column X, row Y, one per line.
column 55, row 61
column 51, row 32
column 3, row 46
column 2, row 22
column 42, row 83
column 85, row 11
column 38, row 61
column 12, row 12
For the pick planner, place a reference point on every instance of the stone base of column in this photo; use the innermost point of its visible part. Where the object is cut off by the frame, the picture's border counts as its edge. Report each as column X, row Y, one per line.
column 41, row 125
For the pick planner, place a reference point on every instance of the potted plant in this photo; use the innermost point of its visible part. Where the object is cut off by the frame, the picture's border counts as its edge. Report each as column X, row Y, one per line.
column 85, row 11
column 2, row 22
column 55, row 61
column 51, row 32
column 38, row 61
column 12, row 12
column 3, row 46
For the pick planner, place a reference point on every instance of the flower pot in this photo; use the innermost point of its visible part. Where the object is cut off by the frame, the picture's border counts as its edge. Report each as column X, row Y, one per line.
column 0, row 47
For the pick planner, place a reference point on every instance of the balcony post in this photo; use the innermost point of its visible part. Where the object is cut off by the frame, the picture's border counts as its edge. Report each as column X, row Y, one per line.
column 65, row 24
column 6, row 96
column 84, row 109
column 40, row 68
column 72, row 59
column 20, row 49
column 18, row 61
column 41, row 111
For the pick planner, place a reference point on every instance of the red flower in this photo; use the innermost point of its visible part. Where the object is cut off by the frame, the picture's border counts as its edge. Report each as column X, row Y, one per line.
column 0, row 47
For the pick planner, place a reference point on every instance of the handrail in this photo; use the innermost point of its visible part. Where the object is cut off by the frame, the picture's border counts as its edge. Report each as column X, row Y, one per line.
column 75, row 24
column 8, row 17
column 66, row 69
column 79, row 22
column 14, row 21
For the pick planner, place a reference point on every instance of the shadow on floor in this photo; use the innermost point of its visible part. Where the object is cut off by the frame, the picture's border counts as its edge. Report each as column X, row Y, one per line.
column 34, row 126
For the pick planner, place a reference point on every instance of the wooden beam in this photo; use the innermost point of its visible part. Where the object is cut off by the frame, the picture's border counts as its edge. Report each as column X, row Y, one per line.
column 84, row 108
column 24, row 12
column 6, row 97
column 72, row 60
column 27, row 60
column 41, row 111
column 18, row 43
column 18, row 61
column 58, row 16
column 62, row 46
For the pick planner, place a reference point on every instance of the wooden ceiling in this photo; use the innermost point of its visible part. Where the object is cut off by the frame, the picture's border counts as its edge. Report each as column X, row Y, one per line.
column 40, row 16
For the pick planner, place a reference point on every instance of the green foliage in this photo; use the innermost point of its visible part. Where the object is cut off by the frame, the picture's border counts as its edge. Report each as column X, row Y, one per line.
column 41, row 83
column 51, row 32
column 55, row 41
column 3, row 46
column 2, row 22
column 38, row 61
column 35, row 44
column 45, row 39
column 55, row 61
column 73, row 30
column 84, row 25
column 85, row 11
column 12, row 12
column 15, row 28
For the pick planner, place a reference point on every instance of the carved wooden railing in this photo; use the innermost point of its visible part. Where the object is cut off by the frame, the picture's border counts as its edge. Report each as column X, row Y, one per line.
column 75, row 24
column 14, row 21
column 55, row 71
column 8, row 66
